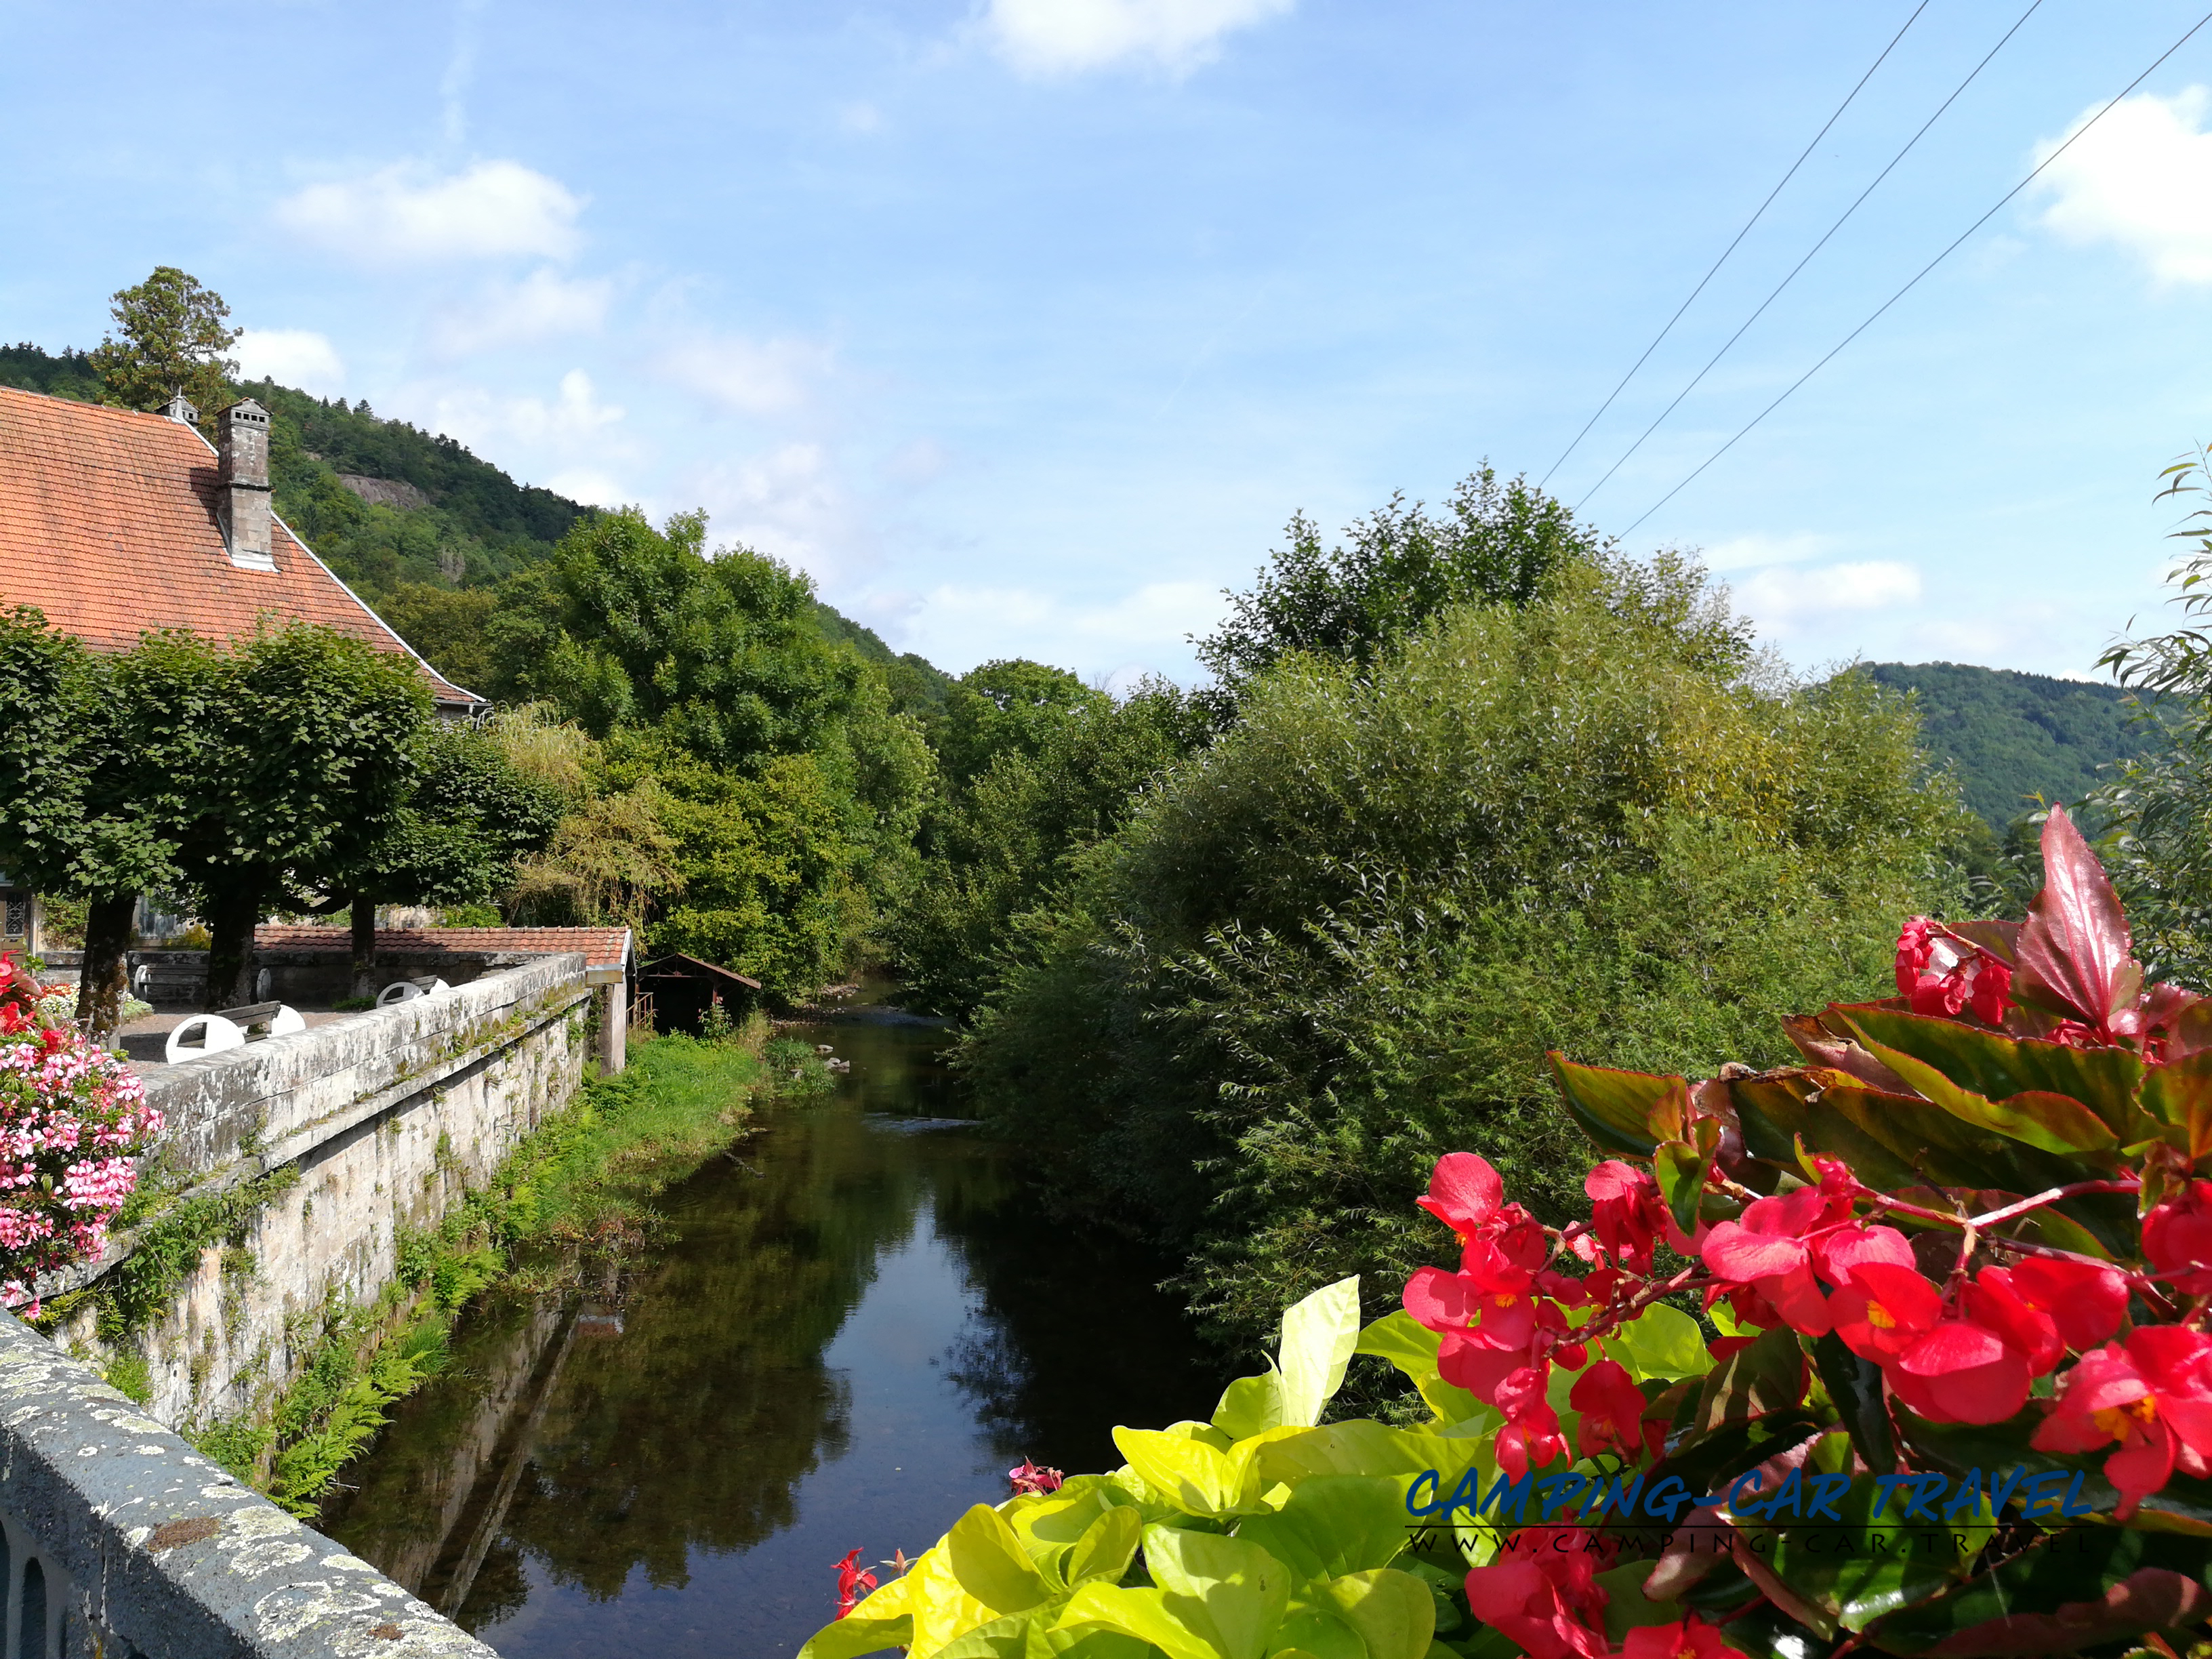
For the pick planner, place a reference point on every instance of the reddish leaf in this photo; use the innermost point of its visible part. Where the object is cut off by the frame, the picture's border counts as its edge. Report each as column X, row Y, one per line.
column 1839, row 1052
column 2075, row 954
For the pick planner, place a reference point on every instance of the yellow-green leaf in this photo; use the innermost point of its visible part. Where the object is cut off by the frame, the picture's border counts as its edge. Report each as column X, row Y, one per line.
column 1393, row 1612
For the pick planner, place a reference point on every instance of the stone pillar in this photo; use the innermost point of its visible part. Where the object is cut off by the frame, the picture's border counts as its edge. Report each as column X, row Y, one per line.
column 242, row 481
column 614, row 1025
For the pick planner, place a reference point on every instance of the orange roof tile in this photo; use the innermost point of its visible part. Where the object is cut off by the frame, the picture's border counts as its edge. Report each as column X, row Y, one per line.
column 107, row 525
column 601, row 947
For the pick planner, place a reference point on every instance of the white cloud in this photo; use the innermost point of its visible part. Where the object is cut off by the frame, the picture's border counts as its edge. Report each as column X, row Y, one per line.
column 573, row 420
column 542, row 306
column 861, row 119
column 1054, row 37
column 1783, row 596
column 2142, row 178
column 750, row 377
column 1745, row 552
column 593, row 489
column 291, row 356
column 953, row 624
column 405, row 215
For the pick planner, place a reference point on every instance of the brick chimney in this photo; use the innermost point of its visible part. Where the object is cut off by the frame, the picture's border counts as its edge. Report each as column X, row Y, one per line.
column 243, row 479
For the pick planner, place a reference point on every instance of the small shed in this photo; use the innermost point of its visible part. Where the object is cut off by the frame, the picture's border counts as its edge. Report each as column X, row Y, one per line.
column 684, row 987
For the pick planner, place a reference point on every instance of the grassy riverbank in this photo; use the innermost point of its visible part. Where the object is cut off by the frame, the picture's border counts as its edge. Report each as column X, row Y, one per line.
column 578, row 1191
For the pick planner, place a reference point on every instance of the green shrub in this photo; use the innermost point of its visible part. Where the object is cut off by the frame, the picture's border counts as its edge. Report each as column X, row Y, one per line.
column 1338, row 942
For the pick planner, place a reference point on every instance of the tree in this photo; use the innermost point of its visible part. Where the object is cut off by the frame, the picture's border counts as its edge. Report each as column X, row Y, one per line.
column 80, row 767
column 1492, row 543
column 472, row 816
column 1008, row 706
column 630, row 627
column 285, row 759
column 1339, row 939
column 174, row 340
column 1018, row 831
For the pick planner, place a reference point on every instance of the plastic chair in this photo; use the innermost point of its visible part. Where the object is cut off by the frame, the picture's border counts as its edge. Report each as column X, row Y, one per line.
column 406, row 990
column 215, row 1035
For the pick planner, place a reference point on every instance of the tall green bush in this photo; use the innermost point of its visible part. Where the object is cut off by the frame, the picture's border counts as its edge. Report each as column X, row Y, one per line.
column 1338, row 942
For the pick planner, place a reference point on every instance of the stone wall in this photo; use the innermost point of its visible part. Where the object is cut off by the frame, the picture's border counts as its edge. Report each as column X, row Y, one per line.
column 121, row 1540
column 386, row 1117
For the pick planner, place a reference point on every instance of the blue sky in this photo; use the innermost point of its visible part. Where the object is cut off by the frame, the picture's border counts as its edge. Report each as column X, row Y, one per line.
column 1024, row 324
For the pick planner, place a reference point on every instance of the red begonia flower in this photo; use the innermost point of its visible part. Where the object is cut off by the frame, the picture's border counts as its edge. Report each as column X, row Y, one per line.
column 1693, row 1638
column 1960, row 1372
column 2153, row 1397
column 2177, row 1238
column 1464, row 1192
column 1611, row 1408
column 1466, row 1362
column 2085, row 1300
column 1884, row 1309
column 1439, row 1300
column 1626, row 1211
column 852, row 1583
column 1993, row 1301
column 1766, row 1248
column 1531, row 1441
column 1838, row 1253
column 1542, row 1594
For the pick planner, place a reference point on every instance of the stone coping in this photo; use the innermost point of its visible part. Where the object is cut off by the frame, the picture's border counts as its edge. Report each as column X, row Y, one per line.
column 148, row 1548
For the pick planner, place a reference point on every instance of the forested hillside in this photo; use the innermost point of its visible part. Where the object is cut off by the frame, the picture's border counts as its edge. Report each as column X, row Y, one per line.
column 2016, row 736
column 417, row 525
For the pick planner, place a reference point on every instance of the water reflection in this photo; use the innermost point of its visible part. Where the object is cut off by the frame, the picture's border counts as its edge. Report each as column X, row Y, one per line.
column 856, row 1327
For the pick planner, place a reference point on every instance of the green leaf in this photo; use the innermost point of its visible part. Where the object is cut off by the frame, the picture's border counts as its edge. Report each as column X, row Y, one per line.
column 1995, row 1067
column 2179, row 1097
column 1895, row 1142
column 1002, row 1638
column 1106, row 1549
column 1334, row 1524
column 1393, row 1612
column 1855, row 1384
column 1412, row 1347
column 1626, row 1606
column 850, row 1638
column 1249, row 1404
column 1769, row 1376
column 2052, row 1122
column 1682, row 1170
column 1868, row 1568
column 1231, row 1591
column 1319, row 1335
column 1188, row 1472
column 1662, row 1344
column 989, row 1561
column 1629, row 1112
column 1139, row 1613
column 1315, row 1630
column 2073, row 1590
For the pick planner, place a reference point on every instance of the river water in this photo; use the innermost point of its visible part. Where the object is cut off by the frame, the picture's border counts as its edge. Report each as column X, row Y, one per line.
column 857, row 1324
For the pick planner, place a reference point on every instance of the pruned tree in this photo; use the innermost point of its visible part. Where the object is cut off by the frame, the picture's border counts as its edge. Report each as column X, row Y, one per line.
column 80, row 777
column 472, row 816
column 291, row 755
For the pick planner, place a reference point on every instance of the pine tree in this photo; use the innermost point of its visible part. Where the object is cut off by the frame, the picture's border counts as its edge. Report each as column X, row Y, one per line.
column 174, row 340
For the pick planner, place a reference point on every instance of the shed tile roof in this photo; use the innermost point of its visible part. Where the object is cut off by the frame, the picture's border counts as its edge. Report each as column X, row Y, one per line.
column 107, row 525
column 676, row 963
column 601, row 947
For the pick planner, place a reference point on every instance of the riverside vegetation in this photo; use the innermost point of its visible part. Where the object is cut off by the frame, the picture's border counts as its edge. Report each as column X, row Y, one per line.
column 573, row 1195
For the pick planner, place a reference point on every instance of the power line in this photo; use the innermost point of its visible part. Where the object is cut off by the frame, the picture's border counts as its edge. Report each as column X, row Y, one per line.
column 2032, row 7
column 1925, row 268
column 1731, row 248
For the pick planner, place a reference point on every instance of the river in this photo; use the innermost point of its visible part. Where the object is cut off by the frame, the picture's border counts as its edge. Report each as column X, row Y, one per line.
column 856, row 1325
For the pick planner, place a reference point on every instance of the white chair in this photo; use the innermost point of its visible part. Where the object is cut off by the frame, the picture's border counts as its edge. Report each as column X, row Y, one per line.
column 215, row 1034
column 406, row 990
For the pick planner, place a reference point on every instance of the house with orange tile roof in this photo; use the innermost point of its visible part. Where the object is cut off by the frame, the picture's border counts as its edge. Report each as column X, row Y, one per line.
column 115, row 523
